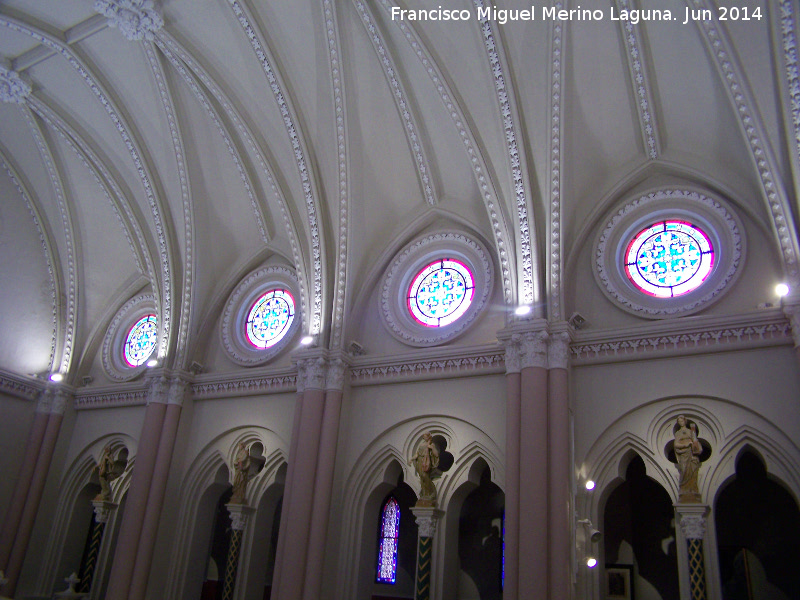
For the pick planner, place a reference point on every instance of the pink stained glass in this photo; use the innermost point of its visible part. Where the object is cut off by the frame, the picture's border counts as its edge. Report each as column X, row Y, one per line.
column 440, row 293
column 387, row 544
column 669, row 259
column 141, row 341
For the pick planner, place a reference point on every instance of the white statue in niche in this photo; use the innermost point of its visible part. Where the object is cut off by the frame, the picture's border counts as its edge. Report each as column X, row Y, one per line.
column 426, row 465
column 241, row 466
column 687, row 455
column 106, row 472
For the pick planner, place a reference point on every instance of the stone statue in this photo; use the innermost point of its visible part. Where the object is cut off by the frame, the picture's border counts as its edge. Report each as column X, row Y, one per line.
column 106, row 472
column 687, row 454
column 426, row 463
column 241, row 464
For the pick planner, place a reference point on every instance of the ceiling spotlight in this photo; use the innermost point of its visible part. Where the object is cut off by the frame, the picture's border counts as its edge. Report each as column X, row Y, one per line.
column 522, row 310
column 153, row 362
column 307, row 340
column 591, row 562
column 56, row 377
column 782, row 289
column 589, row 484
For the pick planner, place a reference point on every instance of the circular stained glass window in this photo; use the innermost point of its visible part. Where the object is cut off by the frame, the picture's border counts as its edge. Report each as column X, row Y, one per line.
column 269, row 318
column 141, row 340
column 669, row 258
column 440, row 293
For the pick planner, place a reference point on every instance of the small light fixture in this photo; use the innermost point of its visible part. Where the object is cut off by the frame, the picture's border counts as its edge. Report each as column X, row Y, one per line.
column 522, row 310
column 56, row 377
column 307, row 340
column 589, row 484
column 591, row 562
column 782, row 290
column 153, row 362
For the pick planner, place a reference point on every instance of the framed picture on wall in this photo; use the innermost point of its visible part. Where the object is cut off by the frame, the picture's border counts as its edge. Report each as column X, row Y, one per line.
column 619, row 582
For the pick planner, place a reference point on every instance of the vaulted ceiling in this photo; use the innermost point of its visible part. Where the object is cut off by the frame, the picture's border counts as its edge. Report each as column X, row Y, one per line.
column 325, row 134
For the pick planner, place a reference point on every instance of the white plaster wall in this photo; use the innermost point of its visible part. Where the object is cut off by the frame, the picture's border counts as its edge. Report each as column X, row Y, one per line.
column 14, row 431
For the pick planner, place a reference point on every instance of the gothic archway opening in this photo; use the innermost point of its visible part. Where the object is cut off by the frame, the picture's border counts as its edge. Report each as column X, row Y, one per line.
column 217, row 549
column 758, row 535
column 639, row 534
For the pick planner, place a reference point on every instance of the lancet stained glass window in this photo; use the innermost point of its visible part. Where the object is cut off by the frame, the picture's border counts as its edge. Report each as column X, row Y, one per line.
column 141, row 340
column 269, row 318
column 387, row 543
column 669, row 258
column 440, row 293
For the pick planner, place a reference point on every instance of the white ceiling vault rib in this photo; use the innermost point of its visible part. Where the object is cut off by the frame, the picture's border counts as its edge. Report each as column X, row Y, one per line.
column 47, row 245
column 164, row 303
column 105, row 179
column 528, row 292
column 410, row 128
column 188, row 262
column 165, row 44
column 637, row 67
column 472, row 146
column 306, row 170
column 750, row 122
column 181, row 60
column 340, row 109
column 555, row 237
column 72, row 276
column 791, row 67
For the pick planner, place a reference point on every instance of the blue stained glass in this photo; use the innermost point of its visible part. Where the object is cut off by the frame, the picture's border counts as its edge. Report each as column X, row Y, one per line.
column 270, row 318
column 669, row 258
column 387, row 545
column 141, row 341
column 440, row 293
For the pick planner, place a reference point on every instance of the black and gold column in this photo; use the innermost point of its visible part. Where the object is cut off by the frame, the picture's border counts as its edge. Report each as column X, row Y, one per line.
column 102, row 511
column 427, row 517
column 239, row 515
column 693, row 526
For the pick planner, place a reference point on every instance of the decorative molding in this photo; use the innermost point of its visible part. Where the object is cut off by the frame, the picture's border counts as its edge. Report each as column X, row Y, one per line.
column 693, row 525
column 482, row 173
column 533, row 349
column 103, row 510
column 769, row 328
column 771, row 186
column 296, row 139
column 792, row 312
column 719, row 223
column 20, row 387
column 244, row 386
column 178, row 389
column 427, row 519
column 556, row 131
column 638, row 70
column 790, row 63
column 108, row 399
column 558, row 350
column 240, row 513
column 399, row 95
column 507, row 112
column 61, row 399
column 136, row 19
column 335, row 376
column 393, row 303
column 13, row 88
column 512, row 358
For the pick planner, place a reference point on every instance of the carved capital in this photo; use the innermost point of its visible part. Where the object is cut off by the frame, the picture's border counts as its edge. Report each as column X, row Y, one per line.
column 512, row 356
column 177, row 391
column 239, row 513
column 13, row 88
column 792, row 312
column 102, row 510
column 61, row 398
column 158, row 392
column 45, row 401
column 312, row 372
column 692, row 521
column 334, row 378
column 558, row 350
column 427, row 519
column 136, row 19
column 533, row 349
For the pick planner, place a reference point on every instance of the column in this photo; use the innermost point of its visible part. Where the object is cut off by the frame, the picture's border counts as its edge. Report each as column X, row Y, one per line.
column 323, row 484
column 239, row 516
column 427, row 518
column 102, row 511
column 692, row 520
column 26, row 471
column 792, row 311
column 559, row 471
column 513, row 397
column 60, row 398
column 293, row 538
column 119, row 583
column 533, row 503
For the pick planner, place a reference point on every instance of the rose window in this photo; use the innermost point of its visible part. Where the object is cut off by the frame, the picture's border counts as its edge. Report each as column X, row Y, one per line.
column 141, row 341
column 270, row 318
column 440, row 293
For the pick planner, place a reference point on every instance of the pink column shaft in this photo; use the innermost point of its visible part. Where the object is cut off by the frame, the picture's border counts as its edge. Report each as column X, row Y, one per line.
column 559, row 484
column 302, row 496
column 323, row 486
column 32, row 503
column 26, row 471
column 287, row 493
column 512, row 529
column 533, row 558
column 155, row 501
column 119, row 580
